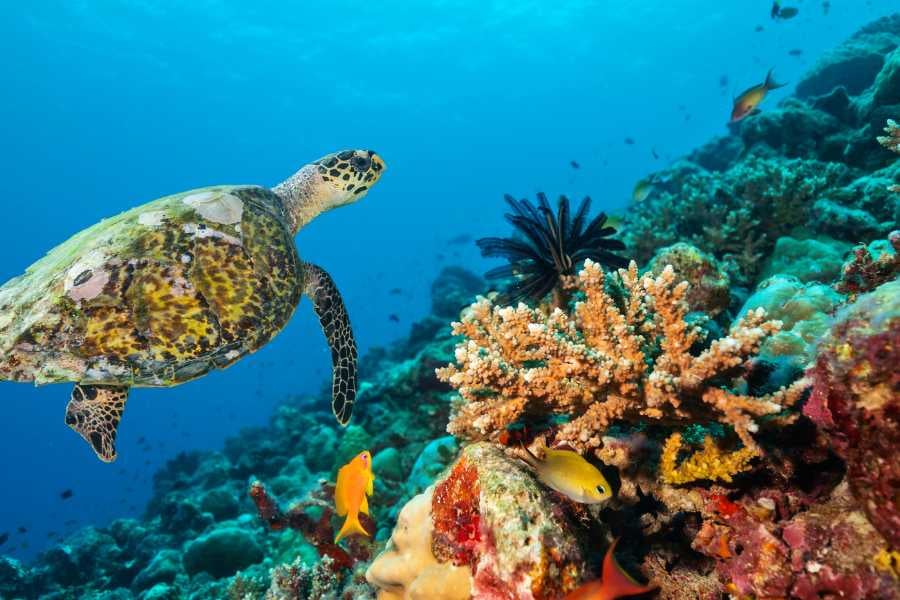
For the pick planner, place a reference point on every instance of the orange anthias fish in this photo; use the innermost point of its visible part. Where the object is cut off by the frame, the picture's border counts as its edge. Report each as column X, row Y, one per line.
column 614, row 584
column 355, row 481
column 748, row 102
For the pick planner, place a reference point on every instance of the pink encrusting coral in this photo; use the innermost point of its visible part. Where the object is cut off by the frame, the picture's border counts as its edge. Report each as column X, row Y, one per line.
column 776, row 544
column 866, row 271
column 856, row 401
column 628, row 359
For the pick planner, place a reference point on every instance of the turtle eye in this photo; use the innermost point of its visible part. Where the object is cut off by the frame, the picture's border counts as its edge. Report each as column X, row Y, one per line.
column 361, row 163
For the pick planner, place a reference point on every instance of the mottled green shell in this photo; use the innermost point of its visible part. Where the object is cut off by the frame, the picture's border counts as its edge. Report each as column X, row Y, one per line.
column 155, row 296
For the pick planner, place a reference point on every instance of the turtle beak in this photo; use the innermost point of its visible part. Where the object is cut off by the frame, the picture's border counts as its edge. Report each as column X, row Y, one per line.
column 377, row 163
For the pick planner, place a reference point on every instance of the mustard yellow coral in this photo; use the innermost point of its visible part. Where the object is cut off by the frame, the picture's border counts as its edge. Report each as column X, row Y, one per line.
column 610, row 360
column 709, row 463
column 888, row 561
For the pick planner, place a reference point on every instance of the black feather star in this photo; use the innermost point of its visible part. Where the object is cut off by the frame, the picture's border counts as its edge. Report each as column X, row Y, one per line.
column 546, row 247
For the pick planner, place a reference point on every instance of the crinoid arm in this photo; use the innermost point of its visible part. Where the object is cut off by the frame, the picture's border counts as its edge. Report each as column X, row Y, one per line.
column 335, row 322
column 547, row 246
column 94, row 412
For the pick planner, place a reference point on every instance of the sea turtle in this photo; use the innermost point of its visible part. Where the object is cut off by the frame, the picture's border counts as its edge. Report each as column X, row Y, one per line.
column 168, row 291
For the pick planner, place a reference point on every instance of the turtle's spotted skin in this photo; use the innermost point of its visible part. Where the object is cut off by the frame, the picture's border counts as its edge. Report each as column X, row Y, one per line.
column 168, row 291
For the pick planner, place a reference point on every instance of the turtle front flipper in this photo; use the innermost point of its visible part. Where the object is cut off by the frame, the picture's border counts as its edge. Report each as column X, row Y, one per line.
column 335, row 323
column 94, row 412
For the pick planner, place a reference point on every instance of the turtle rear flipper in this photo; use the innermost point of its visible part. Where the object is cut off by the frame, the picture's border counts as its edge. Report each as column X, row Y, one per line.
column 94, row 412
column 335, row 323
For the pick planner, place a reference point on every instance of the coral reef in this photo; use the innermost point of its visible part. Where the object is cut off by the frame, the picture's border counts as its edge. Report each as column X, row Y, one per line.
column 490, row 517
column 856, row 401
column 708, row 284
column 593, row 367
column 871, row 266
column 804, row 311
column 408, row 569
column 737, row 386
column 891, row 141
column 710, row 463
column 549, row 247
column 781, row 545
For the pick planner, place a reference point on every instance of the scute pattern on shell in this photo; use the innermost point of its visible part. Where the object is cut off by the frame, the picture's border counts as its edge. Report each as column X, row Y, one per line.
column 156, row 301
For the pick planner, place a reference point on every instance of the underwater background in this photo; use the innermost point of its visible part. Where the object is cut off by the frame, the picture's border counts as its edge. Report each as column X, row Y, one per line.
column 110, row 104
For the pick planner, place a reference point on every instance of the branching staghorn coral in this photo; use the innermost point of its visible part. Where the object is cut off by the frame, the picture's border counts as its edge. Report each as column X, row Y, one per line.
column 709, row 463
column 609, row 361
column 891, row 141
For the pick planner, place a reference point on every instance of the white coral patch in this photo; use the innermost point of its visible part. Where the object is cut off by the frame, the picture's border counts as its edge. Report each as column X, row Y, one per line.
column 205, row 232
column 87, row 277
column 153, row 218
column 218, row 207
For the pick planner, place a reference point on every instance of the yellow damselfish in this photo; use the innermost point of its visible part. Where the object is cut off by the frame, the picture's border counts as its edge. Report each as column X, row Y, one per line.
column 570, row 474
column 355, row 481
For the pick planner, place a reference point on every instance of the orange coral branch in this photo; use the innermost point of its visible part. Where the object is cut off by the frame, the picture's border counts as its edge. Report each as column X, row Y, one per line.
column 592, row 365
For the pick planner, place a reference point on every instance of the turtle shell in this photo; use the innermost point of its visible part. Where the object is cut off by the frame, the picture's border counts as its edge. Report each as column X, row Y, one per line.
column 156, row 296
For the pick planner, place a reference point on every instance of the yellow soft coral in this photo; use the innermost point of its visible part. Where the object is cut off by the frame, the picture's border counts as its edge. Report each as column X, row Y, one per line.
column 601, row 364
column 710, row 463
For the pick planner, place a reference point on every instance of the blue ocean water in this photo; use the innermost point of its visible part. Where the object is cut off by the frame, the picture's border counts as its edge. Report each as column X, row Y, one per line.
column 110, row 104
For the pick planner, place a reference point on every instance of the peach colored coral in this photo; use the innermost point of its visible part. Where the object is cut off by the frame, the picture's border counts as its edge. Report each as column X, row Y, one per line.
column 407, row 569
column 625, row 360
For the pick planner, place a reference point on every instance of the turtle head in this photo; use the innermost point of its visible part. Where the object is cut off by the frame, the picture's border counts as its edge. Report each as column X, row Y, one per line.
column 334, row 180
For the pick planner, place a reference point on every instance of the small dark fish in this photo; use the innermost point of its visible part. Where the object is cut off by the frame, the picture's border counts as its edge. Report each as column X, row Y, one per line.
column 395, row 291
column 787, row 12
column 3, row 537
column 22, row 529
column 463, row 238
column 52, row 534
column 759, row 28
column 142, row 440
column 71, row 522
column 796, row 52
column 66, row 494
column 629, row 141
column 574, row 164
column 393, row 318
column 654, row 153
column 826, row 6
column 723, row 81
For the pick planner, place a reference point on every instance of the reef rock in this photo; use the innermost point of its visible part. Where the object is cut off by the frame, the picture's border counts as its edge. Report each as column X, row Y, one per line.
column 222, row 552
column 808, row 260
column 856, row 400
column 802, row 308
column 855, row 63
column 408, row 570
column 709, row 284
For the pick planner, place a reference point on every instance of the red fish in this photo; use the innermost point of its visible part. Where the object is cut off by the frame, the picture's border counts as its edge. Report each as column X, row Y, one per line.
column 748, row 101
column 615, row 583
